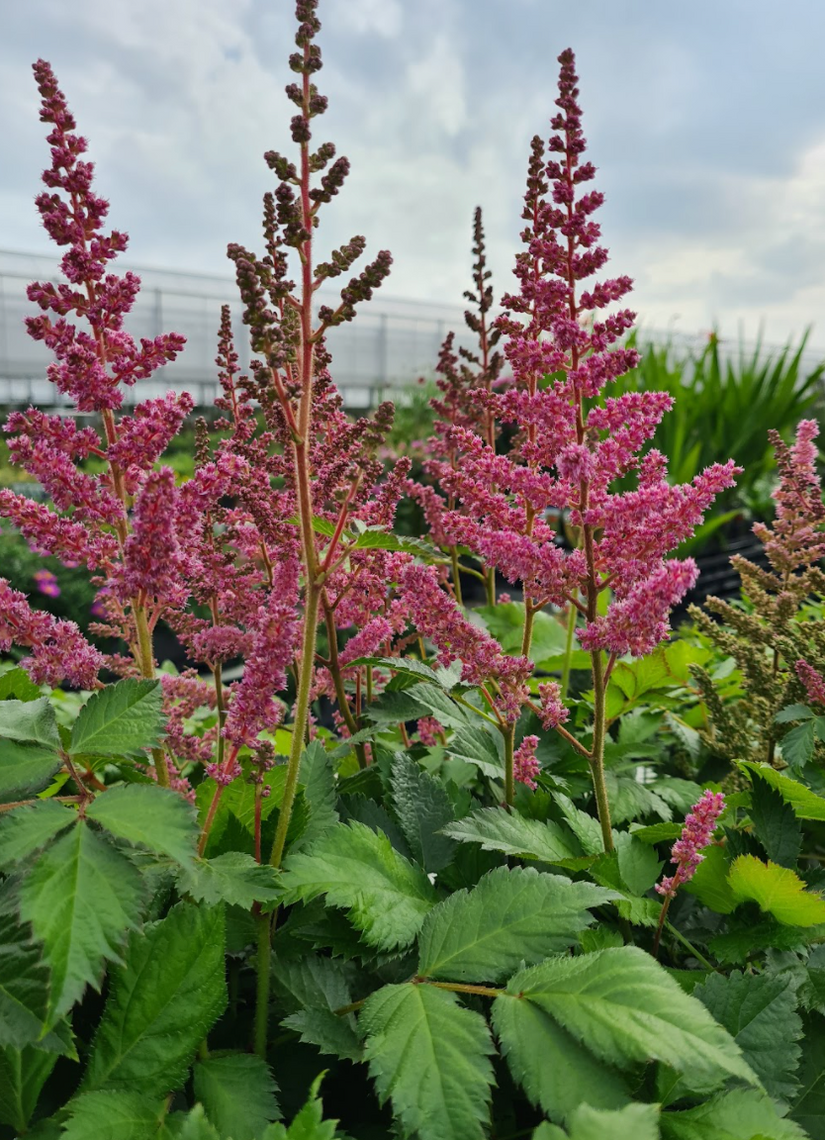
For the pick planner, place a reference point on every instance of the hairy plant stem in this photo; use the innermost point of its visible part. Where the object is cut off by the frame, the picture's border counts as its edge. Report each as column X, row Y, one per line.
column 334, row 667
column 509, row 734
column 572, row 615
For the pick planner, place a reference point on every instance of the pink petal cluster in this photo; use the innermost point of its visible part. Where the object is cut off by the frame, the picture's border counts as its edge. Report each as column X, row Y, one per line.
column 697, row 834
column 46, row 583
column 428, row 729
column 795, row 540
column 525, row 762
column 59, row 651
column 813, row 681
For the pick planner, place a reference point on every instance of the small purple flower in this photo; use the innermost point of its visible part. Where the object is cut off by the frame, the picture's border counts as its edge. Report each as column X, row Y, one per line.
column 46, row 583
column 697, row 833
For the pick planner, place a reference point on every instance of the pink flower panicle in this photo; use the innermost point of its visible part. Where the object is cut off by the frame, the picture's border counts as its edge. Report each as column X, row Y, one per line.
column 59, row 651
column 813, row 681
column 525, row 762
column 428, row 729
column 795, row 540
column 697, row 834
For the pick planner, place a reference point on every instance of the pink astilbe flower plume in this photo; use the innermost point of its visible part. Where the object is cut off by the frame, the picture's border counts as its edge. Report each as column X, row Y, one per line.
column 697, row 834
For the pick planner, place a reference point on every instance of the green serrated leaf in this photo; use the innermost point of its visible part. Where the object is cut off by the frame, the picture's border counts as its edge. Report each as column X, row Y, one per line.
column 499, row 830
column 81, row 897
column 777, row 890
column 759, row 1012
column 403, row 667
column 742, row 1114
column 17, row 683
column 193, row 1126
column 475, row 745
column 113, row 1116
column 27, row 829
column 234, row 878
column 120, row 720
column 387, row 898
column 808, row 1108
column 315, row 988
column 320, row 794
column 377, row 539
column 776, row 825
column 554, row 1069
column 584, row 826
column 798, row 745
column 624, row 1008
column 161, row 1004
column 710, row 883
column 308, row 1124
column 793, row 712
column 149, row 816
column 658, row 832
column 24, row 982
column 423, row 809
column 511, row 917
column 23, row 1072
column 393, row 707
column 633, row 1122
column 25, row 768
column 430, row 1056
column 805, row 803
column 29, row 721
column 237, row 1090
column 639, row 865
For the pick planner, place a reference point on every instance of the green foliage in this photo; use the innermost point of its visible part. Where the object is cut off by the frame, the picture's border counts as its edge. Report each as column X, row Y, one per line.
column 776, row 890
column 423, row 809
column 25, row 768
column 742, row 1114
column 119, row 720
column 499, row 830
column 431, row 1056
column 238, row 1093
column 149, row 817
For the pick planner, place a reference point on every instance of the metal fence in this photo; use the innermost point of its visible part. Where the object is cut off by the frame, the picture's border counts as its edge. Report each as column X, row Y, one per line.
column 385, row 349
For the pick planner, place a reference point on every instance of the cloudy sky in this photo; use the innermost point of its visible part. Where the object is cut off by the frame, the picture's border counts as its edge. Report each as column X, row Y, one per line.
column 706, row 121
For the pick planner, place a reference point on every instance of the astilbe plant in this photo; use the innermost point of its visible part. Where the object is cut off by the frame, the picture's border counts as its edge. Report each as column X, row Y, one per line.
column 572, row 443
column 449, row 965
column 778, row 640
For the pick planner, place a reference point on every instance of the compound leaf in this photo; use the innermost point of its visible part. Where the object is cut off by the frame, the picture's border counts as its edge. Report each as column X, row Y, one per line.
column 113, row 1116
column 149, row 816
column 743, row 1114
column 238, row 1092
column 510, row 918
column 234, row 877
column 805, row 803
column 431, row 1057
column 121, row 719
column 25, row 768
column 386, row 896
column 499, row 830
column 80, row 897
column 776, row 825
column 24, row 985
column 162, row 1002
column 423, row 809
column 27, row 829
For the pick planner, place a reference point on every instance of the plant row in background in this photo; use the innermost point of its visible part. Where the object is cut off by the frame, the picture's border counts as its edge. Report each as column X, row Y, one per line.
column 530, row 869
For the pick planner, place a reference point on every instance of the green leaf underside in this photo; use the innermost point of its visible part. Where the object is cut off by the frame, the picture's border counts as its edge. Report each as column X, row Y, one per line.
column 149, row 816
column 81, row 897
column 510, row 918
column 26, row 829
column 625, row 1009
column 554, row 1069
column 742, row 1114
column 759, row 1012
column 113, row 1116
column 23, row 1073
column 498, row 830
column 120, row 720
column 162, row 1003
column 387, row 898
column 423, row 809
column 25, row 768
column 430, row 1055
column 777, row 890
column 805, row 803
column 237, row 1091
column 29, row 721
column 233, row 877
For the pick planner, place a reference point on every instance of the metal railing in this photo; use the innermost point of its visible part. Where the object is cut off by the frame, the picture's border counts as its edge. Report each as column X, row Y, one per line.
column 389, row 345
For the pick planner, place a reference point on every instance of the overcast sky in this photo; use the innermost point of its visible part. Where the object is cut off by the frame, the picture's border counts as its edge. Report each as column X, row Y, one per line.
column 706, row 121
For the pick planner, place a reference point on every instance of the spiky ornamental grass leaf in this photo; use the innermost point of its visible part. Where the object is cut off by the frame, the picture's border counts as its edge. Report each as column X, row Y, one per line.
column 29, row 721
column 23, row 1072
column 113, row 1116
column 25, row 768
column 625, row 1009
column 430, row 1056
column 237, row 1090
column 387, row 898
column 161, row 1004
column 759, row 1011
column 777, row 890
column 742, row 1114
column 512, row 917
column 499, row 830
column 149, row 816
column 120, row 720
column 423, row 809
column 27, row 829
column 81, row 897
